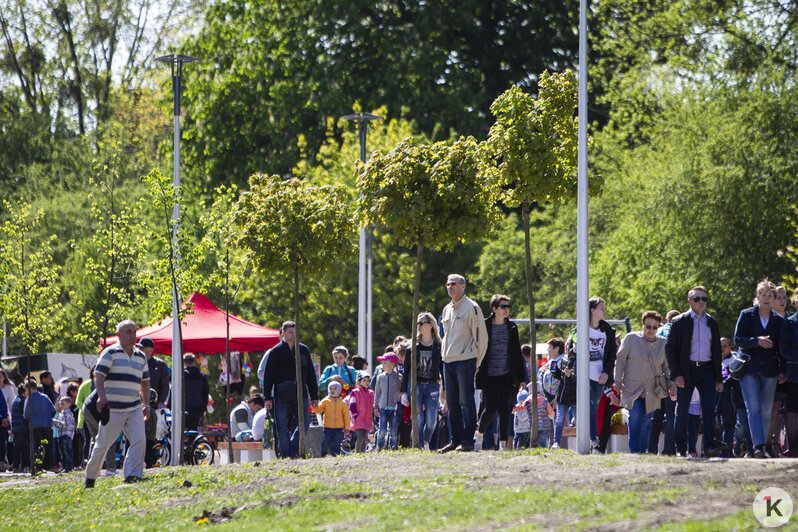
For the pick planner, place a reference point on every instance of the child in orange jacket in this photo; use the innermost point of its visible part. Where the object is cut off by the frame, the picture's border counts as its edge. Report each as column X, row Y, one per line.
column 335, row 416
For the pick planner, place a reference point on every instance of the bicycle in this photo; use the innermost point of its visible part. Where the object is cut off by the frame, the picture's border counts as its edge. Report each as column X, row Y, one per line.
column 197, row 450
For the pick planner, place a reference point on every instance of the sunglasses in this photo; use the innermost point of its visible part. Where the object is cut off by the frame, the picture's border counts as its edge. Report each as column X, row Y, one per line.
column 504, row 305
column 422, row 323
column 700, row 298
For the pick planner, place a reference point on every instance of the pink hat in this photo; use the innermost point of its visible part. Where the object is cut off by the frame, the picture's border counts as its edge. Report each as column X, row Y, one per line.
column 390, row 357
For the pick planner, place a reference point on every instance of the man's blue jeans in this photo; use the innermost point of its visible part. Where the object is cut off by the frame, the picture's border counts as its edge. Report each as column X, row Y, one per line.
column 639, row 426
column 458, row 378
column 758, row 394
column 703, row 378
column 286, row 415
column 427, row 397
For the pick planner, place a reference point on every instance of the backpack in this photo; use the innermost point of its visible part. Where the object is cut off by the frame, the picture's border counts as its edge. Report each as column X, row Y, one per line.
column 547, row 381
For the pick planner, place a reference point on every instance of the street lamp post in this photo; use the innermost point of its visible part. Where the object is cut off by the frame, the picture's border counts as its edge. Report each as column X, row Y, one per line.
column 365, row 262
column 582, row 276
column 176, row 61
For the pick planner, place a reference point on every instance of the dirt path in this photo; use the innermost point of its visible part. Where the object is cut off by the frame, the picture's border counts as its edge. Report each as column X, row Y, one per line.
column 707, row 490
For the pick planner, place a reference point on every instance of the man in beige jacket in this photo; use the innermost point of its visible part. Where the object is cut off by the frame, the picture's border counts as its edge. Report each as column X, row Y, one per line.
column 465, row 342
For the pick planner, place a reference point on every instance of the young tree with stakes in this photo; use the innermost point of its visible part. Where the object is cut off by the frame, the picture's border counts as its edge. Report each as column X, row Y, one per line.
column 30, row 298
column 298, row 228
column 534, row 143
column 428, row 196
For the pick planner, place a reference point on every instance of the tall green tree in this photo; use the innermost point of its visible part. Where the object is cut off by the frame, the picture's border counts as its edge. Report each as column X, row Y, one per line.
column 279, row 70
column 299, row 229
column 708, row 201
column 63, row 57
column 428, row 196
column 534, row 142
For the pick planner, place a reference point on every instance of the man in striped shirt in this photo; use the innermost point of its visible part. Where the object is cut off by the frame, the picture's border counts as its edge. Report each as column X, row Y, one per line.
column 121, row 379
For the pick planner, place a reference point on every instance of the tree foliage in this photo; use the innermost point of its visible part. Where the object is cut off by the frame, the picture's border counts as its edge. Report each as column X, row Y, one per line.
column 296, row 228
column 275, row 71
column 707, row 202
column 429, row 195
column 30, row 295
column 64, row 57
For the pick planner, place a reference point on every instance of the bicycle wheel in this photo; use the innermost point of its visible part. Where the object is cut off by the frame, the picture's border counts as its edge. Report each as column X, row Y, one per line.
column 203, row 452
column 162, row 454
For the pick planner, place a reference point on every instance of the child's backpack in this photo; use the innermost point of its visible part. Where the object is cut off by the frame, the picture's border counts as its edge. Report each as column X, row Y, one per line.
column 547, row 381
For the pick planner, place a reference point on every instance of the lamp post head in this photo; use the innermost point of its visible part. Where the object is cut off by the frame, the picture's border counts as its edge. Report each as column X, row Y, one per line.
column 176, row 60
column 362, row 117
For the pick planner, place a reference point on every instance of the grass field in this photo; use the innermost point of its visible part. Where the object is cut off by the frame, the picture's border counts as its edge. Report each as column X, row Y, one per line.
column 411, row 490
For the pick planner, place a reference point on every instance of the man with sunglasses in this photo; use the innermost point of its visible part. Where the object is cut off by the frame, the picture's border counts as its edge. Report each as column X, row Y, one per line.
column 694, row 354
column 465, row 342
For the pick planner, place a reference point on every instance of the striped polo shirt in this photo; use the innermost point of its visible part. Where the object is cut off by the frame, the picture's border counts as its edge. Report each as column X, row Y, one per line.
column 123, row 375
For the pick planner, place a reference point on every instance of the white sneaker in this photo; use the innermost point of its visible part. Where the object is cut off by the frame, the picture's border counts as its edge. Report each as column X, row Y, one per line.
column 426, row 446
column 555, row 446
column 111, row 472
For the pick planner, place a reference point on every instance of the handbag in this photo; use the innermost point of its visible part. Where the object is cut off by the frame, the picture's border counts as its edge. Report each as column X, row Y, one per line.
column 738, row 365
column 661, row 383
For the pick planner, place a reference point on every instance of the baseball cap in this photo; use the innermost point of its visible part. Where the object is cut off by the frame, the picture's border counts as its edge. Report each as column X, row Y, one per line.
column 146, row 342
column 390, row 357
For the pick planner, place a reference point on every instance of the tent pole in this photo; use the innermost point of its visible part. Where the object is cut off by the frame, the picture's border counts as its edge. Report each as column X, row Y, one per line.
column 227, row 355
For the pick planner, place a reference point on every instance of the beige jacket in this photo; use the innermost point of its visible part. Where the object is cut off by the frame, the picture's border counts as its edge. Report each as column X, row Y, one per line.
column 638, row 363
column 465, row 336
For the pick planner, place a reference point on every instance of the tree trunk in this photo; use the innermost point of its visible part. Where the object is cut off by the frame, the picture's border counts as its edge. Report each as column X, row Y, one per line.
column 227, row 350
column 414, row 351
column 31, row 446
column 533, row 366
column 298, row 367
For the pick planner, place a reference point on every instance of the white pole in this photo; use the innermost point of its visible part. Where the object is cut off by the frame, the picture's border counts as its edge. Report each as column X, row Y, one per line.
column 370, row 301
column 582, row 275
column 361, row 296
column 177, row 347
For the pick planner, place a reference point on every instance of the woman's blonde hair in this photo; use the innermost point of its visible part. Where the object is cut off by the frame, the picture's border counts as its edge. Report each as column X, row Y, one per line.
column 431, row 319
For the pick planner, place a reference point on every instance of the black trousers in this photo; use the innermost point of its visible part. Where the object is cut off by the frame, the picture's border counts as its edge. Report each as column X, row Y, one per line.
column 42, row 450
column 193, row 416
column 497, row 396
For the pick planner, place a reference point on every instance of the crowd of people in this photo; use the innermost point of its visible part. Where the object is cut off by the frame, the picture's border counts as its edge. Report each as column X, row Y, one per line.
column 670, row 382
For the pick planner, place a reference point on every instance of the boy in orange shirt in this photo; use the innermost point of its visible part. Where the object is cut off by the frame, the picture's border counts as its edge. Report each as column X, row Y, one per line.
column 335, row 416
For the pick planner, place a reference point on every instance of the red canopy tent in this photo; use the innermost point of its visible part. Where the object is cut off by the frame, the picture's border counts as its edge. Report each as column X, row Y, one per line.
column 204, row 331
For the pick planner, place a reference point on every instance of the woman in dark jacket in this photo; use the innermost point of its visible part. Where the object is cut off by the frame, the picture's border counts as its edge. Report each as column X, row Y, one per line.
column 757, row 335
column 502, row 372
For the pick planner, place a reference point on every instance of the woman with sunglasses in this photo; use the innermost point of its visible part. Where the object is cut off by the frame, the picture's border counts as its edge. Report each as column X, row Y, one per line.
column 757, row 335
column 428, row 371
column 502, row 373
column 640, row 362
